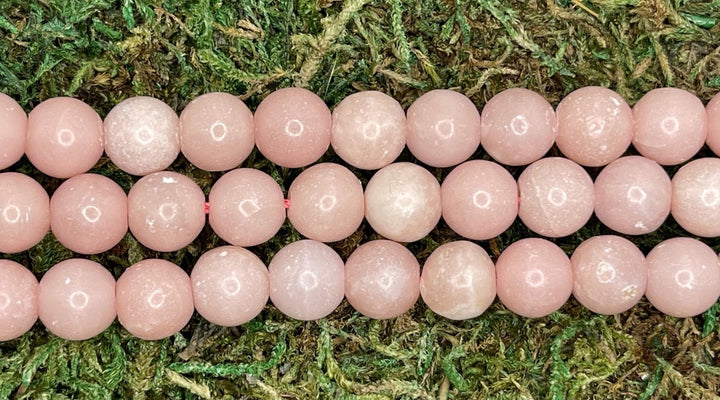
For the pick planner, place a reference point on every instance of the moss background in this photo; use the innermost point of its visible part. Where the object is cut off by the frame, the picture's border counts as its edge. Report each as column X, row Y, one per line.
column 103, row 51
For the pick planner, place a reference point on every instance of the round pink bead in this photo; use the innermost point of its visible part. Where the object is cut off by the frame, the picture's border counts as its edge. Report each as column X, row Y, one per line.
column 247, row 207
column 696, row 197
column 595, row 126
column 382, row 279
column 292, row 127
column 154, row 299
column 458, row 280
column 64, row 137
column 683, row 277
column 632, row 195
column 306, row 280
column 402, row 202
column 610, row 274
column 13, row 133
column 18, row 300
column 217, row 132
column 518, row 127
column 24, row 212
column 230, row 285
column 479, row 199
column 326, row 202
column 443, row 128
column 556, row 197
column 89, row 214
column 141, row 135
column 76, row 299
column 670, row 125
column 166, row 211
column 713, row 118
column 369, row 129
column 534, row 277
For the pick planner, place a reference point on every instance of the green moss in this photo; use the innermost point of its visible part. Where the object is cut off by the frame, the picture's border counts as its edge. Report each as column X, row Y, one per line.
column 103, row 51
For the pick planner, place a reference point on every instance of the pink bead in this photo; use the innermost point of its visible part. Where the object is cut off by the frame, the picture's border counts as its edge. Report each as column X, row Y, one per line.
column 89, row 214
column 518, row 127
column 18, row 300
column 13, row 133
column 683, row 277
column 24, row 212
column 382, row 279
column 217, row 132
column 230, row 285
column 458, row 280
column 632, row 195
column 556, row 197
column 479, row 199
column 326, row 202
column 166, row 211
column 595, row 126
column 713, row 118
column 402, row 202
column 292, row 127
column 670, row 125
column 64, row 137
column 443, row 128
column 247, row 207
column 696, row 197
column 610, row 274
column 76, row 299
column 534, row 277
column 141, row 135
column 306, row 280
column 154, row 299
column 369, row 129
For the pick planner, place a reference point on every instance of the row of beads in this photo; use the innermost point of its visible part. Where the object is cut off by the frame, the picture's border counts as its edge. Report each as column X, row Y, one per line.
column 306, row 280
column 478, row 199
column 293, row 128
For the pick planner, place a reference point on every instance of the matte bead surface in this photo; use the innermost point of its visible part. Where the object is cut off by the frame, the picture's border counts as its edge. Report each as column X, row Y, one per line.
column 670, row 125
column 595, row 126
column 556, row 197
column 458, row 280
column 141, row 135
column 518, row 127
column 154, row 299
column 64, row 137
column 382, row 279
column 306, row 280
column 696, row 197
column 217, row 131
column 13, row 133
column 369, row 129
column 230, row 285
column 633, row 195
column 89, row 214
column 534, row 277
column 292, row 127
column 443, row 128
column 479, row 199
column 610, row 274
column 76, row 299
column 24, row 212
column 18, row 300
column 326, row 202
column 402, row 202
column 683, row 277
column 247, row 207
column 166, row 211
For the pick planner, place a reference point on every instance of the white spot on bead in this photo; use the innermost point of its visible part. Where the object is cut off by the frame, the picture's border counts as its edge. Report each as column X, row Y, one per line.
column 144, row 135
column 371, row 130
column 535, row 278
column 308, row 280
column 636, row 195
column 91, row 214
column 11, row 214
column 710, row 197
column 385, row 281
column 685, row 278
column 218, row 131
column 4, row 301
column 156, row 299
column 169, row 179
column 605, row 272
column 557, row 196
column 294, row 128
column 670, row 125
column 231, row 286
column 326, row 203
column 168, row 211
column 482, row 199
column 445, row 128
column 463, row 280
column 79, row 300
column 519, row 125
column 248, row 207
column 66, row 137
column 595, row 125
column 629, row 292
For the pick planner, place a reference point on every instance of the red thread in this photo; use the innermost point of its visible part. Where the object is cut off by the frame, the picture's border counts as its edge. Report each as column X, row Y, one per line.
column 207, row 207
column 286, row 203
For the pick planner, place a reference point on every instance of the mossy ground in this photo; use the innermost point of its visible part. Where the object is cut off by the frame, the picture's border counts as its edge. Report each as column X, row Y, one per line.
column 103, row 51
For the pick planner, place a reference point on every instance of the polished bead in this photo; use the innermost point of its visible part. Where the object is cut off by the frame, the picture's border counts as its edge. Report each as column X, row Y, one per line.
column 18, row 300
column 696, row 197
column 24, row 212
column 13, row 133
